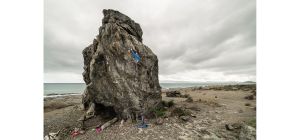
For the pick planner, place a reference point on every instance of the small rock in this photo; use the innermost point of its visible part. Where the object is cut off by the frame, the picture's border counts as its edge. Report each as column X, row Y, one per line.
column 53, row 136
column 237, row 126
column 212, row 136
column 193, row 115
column 185, row 118
column 229, row 127
column 189, row 99
column 174, row 93
column 235, row 88
column 159, row 121
column 140, row 130
column 216, row 96
column 250, row 97
column 167, row 114
column 247, row 104
column 234, row 126
column 247, row 133
column 184, row 138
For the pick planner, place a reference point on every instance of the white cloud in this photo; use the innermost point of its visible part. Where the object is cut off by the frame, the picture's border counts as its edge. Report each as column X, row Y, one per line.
column 196, row 40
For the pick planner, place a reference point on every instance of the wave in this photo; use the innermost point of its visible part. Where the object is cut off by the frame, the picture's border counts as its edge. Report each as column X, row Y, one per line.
column 60, row 94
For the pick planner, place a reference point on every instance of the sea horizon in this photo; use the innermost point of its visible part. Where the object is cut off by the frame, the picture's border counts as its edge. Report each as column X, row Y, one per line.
column 62, row 89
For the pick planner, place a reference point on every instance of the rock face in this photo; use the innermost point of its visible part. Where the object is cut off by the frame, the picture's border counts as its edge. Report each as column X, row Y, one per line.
column 120, row 72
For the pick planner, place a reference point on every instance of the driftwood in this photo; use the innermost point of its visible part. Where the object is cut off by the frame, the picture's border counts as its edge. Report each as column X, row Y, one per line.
column 121, row 124
column 53, row 136
column 109, row 123
column 89, row 114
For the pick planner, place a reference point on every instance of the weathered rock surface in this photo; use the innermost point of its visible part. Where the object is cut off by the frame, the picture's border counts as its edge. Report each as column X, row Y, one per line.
column 119, row 70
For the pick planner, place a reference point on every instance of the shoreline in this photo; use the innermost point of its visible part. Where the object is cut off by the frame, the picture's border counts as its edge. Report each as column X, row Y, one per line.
column 213, row 108
column 53, row 95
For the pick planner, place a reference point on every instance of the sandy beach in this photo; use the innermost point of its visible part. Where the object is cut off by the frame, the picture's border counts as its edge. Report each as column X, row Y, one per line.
column 212, row 110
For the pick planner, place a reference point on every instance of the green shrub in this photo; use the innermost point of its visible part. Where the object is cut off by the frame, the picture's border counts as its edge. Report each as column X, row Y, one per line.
column 252, row 122
column 167, row 103
column 164, row 103
column 185, row 96
column 159, row 111
column 180, row 112
column 171, row 103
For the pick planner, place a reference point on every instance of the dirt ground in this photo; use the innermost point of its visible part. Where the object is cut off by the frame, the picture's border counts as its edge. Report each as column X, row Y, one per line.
column 212, row 108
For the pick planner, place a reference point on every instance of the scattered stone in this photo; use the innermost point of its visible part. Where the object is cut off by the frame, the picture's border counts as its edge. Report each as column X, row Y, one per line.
column 250, row 97
column 159, row 121
column 185, row 96
column 254, row 92
column 178, row 112
column 247, row 133
column 53, row 136
column 167, row 114
column 229, row 127
column 212, row 136
column 121, row 73
column 246, row 89
column 177, row 94
column 210, row 103
column 232, row 127
column 241, row 111
column 174, row 93
column 236, row 125
column 235, row 88
column 189, row 99
column 184, row 138
column 247, row 104
column 140, row 130
column 185, row 118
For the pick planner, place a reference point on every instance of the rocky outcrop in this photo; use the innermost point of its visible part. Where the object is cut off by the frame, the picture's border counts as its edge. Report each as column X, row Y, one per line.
column 120, row 72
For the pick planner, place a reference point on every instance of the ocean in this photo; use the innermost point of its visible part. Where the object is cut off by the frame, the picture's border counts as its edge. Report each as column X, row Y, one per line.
column 61, row 89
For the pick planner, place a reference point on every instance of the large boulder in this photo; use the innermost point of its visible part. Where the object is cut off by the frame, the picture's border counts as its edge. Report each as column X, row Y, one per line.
column 120, row 72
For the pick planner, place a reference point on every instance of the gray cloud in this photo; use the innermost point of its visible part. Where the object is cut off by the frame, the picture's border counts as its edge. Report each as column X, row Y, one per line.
column 195, row 40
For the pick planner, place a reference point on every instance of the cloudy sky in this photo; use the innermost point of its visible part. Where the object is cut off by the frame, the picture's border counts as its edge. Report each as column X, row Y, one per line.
column 195, row 40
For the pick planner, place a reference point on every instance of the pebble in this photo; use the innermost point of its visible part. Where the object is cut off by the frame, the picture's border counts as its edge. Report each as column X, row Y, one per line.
column 184, row 118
